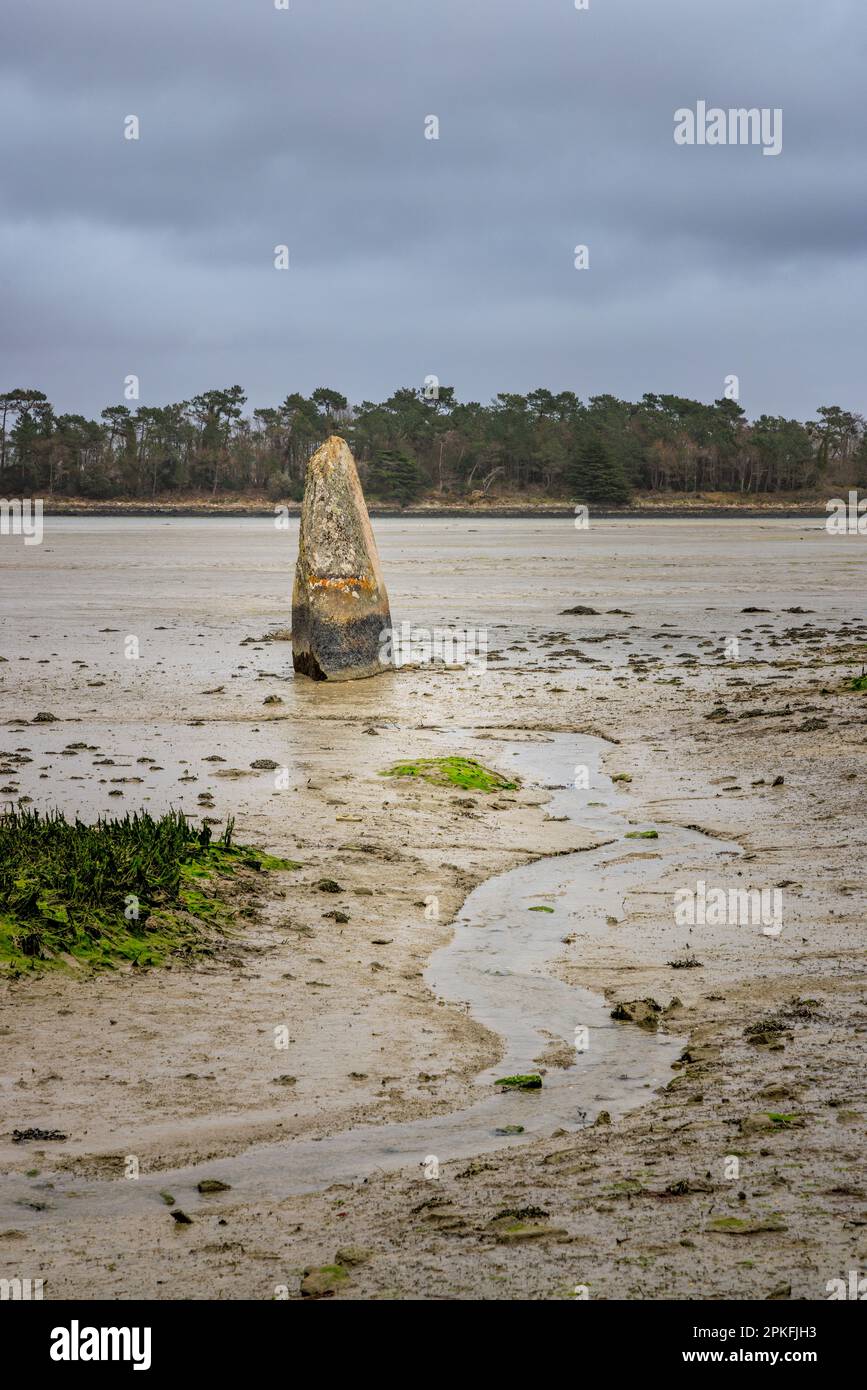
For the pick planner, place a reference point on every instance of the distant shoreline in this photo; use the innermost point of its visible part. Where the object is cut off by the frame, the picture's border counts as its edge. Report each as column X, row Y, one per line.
column 807, row 511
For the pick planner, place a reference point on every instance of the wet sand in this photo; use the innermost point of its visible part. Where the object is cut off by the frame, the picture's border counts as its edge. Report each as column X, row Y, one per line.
column 179, row 1067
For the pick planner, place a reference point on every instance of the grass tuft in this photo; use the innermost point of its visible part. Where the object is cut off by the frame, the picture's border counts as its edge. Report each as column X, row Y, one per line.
column 134, row 889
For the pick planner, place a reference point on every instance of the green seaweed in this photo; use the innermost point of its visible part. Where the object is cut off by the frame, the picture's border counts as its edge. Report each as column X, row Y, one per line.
column 465, row 773
column 740, row 1226
column 529, row 1082
column 132, row 890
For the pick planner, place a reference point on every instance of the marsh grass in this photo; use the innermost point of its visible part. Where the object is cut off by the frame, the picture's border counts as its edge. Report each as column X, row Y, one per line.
column 134, row 889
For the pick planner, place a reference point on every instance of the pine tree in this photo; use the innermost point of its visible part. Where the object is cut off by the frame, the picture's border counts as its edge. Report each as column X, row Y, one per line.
column 394, row 476
column 596, row 477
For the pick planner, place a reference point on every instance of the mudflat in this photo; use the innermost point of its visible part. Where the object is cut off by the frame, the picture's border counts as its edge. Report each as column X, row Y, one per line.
column 323, row 1064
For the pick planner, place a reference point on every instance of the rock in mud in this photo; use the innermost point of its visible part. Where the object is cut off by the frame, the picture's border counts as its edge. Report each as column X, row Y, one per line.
column 339, row 603
column 322, row 1281
column 644, row 1012
column 24, row 1136
column 349, row 1255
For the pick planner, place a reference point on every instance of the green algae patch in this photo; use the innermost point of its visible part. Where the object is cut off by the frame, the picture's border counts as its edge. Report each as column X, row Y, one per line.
column 267, row 863
column 739, row 1226
column 859, row 682
column 642, row 835
column 134, row 890
column 540, row 908
column 531, row 1082
column 508, row 1231
column 465, row 773
column 323, row 1281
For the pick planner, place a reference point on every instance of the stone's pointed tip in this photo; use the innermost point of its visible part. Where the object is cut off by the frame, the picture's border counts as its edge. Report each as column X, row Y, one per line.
column 334, row 449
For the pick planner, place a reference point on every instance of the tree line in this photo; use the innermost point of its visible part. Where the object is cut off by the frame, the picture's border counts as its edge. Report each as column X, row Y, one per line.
column 424, row 442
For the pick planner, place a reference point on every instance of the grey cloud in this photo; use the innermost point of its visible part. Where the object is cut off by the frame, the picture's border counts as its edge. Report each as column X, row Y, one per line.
column 412, row 256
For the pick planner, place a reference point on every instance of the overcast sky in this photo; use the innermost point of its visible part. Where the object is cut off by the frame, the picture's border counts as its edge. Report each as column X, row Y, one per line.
column 411, row 256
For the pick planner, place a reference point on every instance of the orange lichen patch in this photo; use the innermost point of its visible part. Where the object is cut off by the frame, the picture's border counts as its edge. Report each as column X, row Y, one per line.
column 344, row 585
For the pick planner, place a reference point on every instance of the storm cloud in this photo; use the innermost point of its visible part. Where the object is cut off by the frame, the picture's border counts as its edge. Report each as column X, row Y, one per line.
column 411, row 256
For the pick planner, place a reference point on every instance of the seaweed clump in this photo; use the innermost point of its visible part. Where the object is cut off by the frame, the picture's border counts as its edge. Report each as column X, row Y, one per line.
column 132, row 890
column 453, row 772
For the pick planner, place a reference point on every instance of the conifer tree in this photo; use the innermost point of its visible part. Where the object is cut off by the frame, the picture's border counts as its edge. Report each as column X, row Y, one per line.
column 597, row 477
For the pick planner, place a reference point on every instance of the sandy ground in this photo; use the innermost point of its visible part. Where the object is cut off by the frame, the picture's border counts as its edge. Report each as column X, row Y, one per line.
column 179, row 1066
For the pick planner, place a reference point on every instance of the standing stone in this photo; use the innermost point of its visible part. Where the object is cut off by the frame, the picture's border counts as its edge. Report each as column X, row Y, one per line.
column 339, row 602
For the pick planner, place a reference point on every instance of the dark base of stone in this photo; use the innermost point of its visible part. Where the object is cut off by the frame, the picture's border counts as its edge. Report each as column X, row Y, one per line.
column 305, row 664
column 333, row 651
